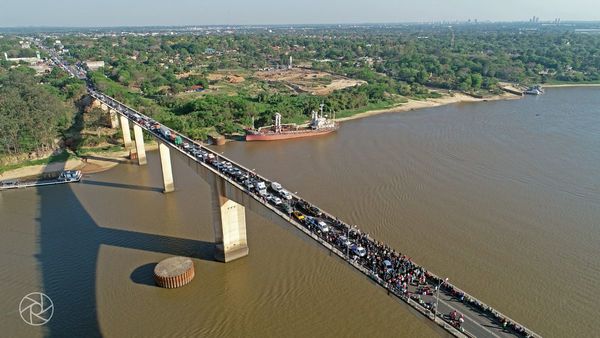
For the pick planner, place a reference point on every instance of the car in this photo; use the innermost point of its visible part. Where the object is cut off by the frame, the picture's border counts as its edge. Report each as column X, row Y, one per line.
column 344, row 241
column 276, row 186
column 319, row 224
column 387, row 265
column 228, row 165
column 358, row 250
column 285, row 194
column 298, row 215
column 263, row 192
column 186, row 145
column 286, row 207
column 276, row 200
column 307, row 209
column 261, row 185
column 322, row 226
column 249, row 184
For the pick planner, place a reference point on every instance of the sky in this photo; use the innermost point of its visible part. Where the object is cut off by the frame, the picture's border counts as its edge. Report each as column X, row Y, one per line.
column 104, row 13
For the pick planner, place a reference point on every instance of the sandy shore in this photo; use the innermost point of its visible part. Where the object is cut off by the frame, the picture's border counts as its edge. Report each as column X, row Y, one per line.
column 430, row 103
column 88, row 164
column 92, row 164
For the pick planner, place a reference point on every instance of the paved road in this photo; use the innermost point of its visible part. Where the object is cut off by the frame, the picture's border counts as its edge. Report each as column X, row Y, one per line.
column 476, row 323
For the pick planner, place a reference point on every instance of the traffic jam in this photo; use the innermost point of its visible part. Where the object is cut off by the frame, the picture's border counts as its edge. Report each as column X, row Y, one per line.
column 392, row 270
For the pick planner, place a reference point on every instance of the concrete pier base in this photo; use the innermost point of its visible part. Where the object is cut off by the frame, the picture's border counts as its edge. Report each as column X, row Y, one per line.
column 165, row 165
column 126, row 132
column 140, row 148
column 229, row 224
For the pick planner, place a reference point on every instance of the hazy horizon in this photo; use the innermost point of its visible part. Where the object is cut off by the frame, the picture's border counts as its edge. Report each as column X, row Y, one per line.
column 86, row 13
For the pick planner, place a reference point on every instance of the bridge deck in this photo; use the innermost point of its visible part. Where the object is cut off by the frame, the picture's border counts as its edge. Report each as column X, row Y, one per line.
column 480, row 320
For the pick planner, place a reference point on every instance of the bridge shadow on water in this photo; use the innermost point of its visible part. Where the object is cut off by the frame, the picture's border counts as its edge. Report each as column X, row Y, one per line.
column 69, row 241
column 121, row 185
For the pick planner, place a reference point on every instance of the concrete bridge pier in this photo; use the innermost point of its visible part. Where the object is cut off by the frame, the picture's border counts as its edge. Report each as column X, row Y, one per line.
column 140, row 148
column 114, row 118
column 165, row 166
column 229, row 223
column 126, row 132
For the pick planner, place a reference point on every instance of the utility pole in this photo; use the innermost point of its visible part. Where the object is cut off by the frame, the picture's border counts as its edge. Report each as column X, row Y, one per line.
column 437, row 297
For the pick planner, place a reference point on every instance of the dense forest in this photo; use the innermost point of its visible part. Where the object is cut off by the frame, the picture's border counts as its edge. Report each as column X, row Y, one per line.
column 35, row 112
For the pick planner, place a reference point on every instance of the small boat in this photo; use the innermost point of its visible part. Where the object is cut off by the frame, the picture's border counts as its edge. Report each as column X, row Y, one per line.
column 535, row 90
column 70, row 176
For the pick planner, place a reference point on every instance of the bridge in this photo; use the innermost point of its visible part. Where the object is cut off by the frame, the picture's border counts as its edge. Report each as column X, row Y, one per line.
column 235, row 188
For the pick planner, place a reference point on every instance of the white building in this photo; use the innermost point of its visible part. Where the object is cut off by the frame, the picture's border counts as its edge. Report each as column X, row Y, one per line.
column 94, row 65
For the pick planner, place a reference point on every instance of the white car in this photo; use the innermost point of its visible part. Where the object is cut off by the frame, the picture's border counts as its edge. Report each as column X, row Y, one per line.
column 261, row 185
column 322, row 226
column 285, row 194
column 276, row 200
column 359, row 250
column 276, row 186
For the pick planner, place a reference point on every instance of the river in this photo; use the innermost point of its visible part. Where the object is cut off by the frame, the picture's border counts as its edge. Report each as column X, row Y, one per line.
column 503, row 198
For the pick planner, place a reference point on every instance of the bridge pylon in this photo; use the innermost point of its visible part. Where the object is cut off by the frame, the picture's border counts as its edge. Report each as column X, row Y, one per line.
column 229, row 223
column 166, row 168
column 126, row 132
column 140, row 148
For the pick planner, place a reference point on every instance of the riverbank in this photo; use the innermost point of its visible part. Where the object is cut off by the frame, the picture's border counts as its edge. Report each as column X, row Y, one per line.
column 90, row 163
column 431, row 103
column 566, row 85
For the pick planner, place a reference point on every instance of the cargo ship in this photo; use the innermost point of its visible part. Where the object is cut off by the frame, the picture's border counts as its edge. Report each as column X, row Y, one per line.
column 319, row 125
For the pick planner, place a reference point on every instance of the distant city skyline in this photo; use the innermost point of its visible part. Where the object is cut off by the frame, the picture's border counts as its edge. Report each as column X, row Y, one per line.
column 87, row 13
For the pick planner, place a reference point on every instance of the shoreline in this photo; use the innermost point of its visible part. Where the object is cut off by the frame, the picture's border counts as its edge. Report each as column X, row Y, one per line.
column 91, row 163
column 98, row 162
column 568, row 85
column 431, row 103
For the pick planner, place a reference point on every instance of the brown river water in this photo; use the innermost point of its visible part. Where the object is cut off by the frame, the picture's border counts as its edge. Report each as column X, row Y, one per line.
column 503, row 198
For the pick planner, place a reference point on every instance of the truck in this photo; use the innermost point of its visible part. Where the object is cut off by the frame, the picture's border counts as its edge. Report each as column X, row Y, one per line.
column 165, row 132
column 261, row 187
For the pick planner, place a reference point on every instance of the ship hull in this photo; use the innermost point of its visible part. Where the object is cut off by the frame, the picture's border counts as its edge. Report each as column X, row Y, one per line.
column 286, row 135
